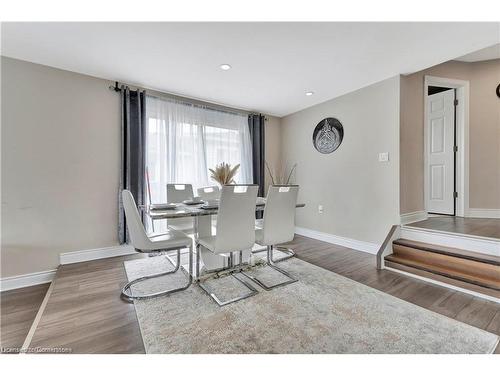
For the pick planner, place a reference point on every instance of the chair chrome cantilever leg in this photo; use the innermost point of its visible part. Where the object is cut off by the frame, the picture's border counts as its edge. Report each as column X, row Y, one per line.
column 271, row 264
column 283, row 249
column 252, row 290
column 129, row 297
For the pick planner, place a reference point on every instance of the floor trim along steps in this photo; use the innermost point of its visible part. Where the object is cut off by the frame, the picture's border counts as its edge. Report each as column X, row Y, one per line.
column 38, row 317
column 446, row 285
column 468, row 242
column 351, row 243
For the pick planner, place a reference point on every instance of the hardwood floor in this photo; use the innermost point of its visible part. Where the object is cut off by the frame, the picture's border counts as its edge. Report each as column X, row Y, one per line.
column 85, row 312
column 472, row 226
column 18, row 310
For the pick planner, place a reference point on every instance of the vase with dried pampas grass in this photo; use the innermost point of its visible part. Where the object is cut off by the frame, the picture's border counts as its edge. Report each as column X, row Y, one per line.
column 282, row 174
column 224, row 173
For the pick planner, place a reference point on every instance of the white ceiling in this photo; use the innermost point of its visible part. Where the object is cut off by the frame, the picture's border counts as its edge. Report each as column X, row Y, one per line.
column 273, row 64
column 488, row 53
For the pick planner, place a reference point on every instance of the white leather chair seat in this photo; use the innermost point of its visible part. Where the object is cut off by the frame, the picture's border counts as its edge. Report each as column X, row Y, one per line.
column 208, row 242
column 170, row 239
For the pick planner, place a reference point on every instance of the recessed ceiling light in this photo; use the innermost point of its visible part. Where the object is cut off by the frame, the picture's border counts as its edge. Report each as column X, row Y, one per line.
column 309, row 93
column 225, row 66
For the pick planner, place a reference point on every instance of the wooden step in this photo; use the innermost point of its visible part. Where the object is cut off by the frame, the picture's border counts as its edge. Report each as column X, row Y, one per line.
column 465, row 254
column 448, row 262
column 465, row 266
column 443, row 279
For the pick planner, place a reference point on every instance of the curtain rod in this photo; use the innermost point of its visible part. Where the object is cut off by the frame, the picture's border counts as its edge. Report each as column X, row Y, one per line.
column 186, row 101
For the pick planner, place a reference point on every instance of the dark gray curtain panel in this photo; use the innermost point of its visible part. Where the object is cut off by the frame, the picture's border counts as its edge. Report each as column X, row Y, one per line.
column 133, row 152
column 257, row 134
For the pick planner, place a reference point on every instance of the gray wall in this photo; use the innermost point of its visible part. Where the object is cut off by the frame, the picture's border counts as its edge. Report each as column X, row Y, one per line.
column 60, row 164
column 60, row 159
column 360, row 195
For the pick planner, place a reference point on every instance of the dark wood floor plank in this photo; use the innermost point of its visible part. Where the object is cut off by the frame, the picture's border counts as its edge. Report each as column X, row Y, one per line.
column 494, row 325
column 18, row 310
column 452, row 303
column 85, row 312
column 478, row 312
column 471, row 226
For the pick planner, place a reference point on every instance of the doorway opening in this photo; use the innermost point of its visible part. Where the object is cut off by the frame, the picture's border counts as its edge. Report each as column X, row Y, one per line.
column 446, row 146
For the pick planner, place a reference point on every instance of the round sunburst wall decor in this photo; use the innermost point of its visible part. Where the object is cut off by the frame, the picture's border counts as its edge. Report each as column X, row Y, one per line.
column 328, row 135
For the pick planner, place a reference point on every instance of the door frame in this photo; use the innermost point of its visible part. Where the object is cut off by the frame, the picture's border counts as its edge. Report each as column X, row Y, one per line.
column 462, row 138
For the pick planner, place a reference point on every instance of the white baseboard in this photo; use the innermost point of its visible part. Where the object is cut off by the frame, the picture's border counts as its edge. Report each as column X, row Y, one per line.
column 489, row 213
column 30, row 279
column 93, row 254
column 484, row 245
column 22, row 281
column 366, row 247
column 449, row 286
column 412, row 217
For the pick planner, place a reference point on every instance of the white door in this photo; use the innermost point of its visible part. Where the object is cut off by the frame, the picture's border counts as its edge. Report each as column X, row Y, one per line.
column 440, row 168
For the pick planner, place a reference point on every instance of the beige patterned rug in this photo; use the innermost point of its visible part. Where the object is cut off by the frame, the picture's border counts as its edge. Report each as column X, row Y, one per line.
column 322, row 313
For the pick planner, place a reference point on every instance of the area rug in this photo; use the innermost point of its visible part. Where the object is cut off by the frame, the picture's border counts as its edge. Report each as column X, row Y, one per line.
column 321, row 313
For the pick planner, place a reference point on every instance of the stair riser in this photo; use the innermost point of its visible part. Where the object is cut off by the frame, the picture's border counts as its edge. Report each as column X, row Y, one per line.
column 454, row 252
column 466, row 278
column 465, row 266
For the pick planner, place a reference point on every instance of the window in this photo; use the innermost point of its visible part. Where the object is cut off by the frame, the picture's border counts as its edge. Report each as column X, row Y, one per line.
column 184, row 141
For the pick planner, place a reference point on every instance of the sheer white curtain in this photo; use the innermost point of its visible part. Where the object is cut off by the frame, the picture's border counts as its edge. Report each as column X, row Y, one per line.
column 184, row 140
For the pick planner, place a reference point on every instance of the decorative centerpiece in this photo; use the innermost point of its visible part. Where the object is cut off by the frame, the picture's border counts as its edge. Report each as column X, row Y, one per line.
column 282, row 174
column 224, row 174
column 328, row 135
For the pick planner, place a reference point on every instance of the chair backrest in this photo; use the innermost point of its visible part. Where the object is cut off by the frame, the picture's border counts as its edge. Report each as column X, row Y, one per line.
column 236, row 218
column 209, row 192
column 279, row 214
column 177, row 193
column 135, row 227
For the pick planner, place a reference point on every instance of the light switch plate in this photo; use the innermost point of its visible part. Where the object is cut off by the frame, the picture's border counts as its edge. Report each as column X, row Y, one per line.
column 383, row 156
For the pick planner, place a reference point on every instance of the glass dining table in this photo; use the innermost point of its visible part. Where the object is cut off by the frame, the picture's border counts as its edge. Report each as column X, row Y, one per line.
column 202, row 226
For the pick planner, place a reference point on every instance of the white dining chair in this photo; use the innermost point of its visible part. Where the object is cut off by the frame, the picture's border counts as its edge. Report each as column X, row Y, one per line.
column 178, row 193
column 259, row 223
column 170, row 240
column 209, row 193
column 234, row 233
column 278, row 227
